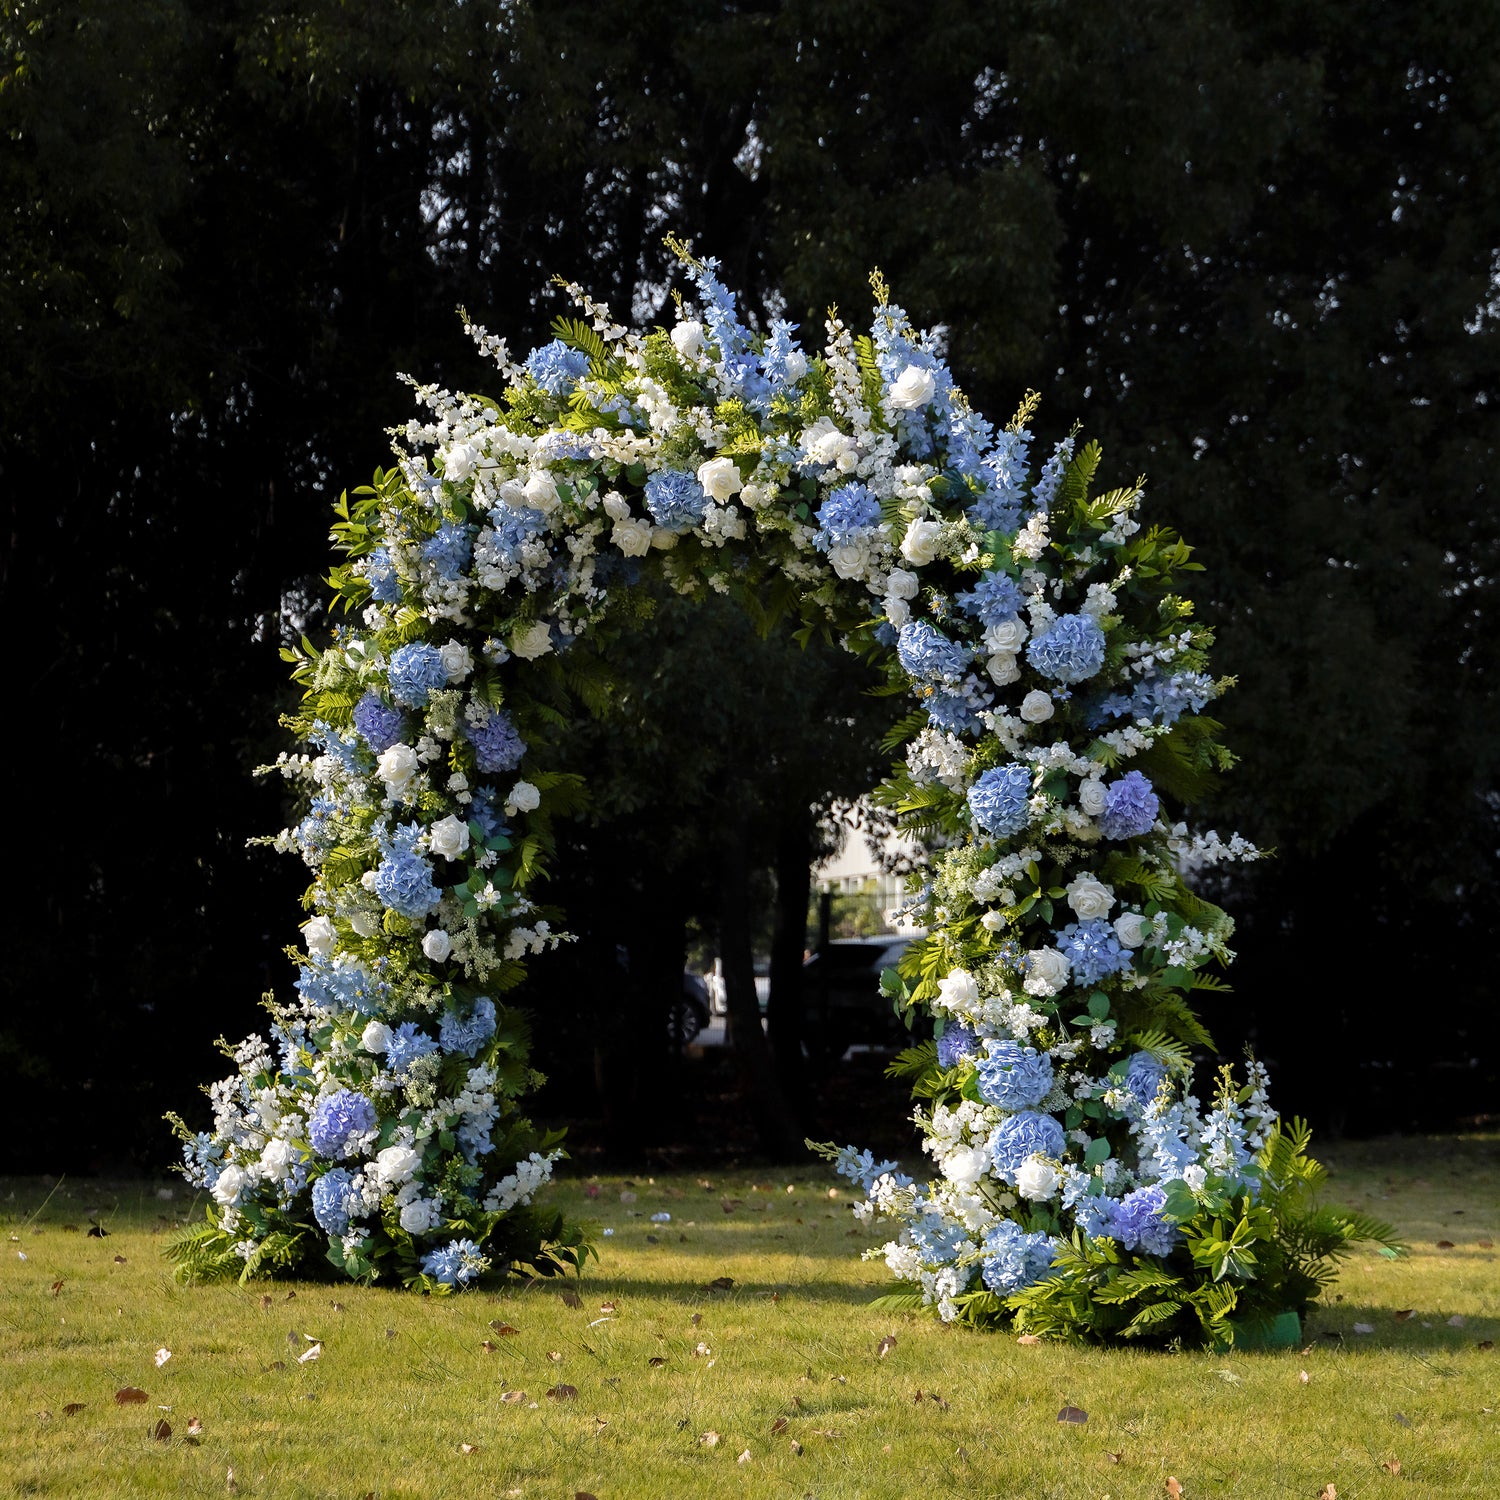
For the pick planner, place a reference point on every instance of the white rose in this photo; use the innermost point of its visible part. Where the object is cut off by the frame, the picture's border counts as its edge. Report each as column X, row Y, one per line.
column 1091, row 796
column 992, row 921
column 923, row 542
column 227, row 1188
column 795, row 366
column 902, row 584
column 959, row 990
column 1131, row 929
column 913, row 389
column 1090, row 898
column 416, row 1216
column 513, row 494
column 825, row 444
column 277, row 1157
column 1195, row 1176
column 1047, row 971
column 318, row 935
column 966, row 1166
column 376, row 1037
column 437, row 945
column 616, row 506
column 460, row 462
column 1008, row 635
column 395, row 1165
column 632, row 537
column 663, row 539
column 1036, row 707
column 720, row 477
column 397, row 766
column 534, row 641
column 541, row 492
column 457, row 660
column 1003, row 669
column 687, row 339
column 1036, row 1179
column 450, row 838
column 850, row 561
column 523, row 798
column 897, row 611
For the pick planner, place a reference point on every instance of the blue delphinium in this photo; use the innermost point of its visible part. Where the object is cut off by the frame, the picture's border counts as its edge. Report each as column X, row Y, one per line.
column 1014, row 1259
column 379, row 725
column 994, row 599
column 1012, row 1076
column 449, row 549
column 956, row 1043
column 848, row 511
column 1071, row 649
column 721, row 318
column 338, row 1121
column 497, row 746
column 775, row 360
column 1051, row 477
column 455, row 1264
column 928, row 655
column 998, row 799
column 415, row 671
column 1023, row 1135
column 556, row 367
column 1136, row 1221
column 385, row 582
column 407, row 1043
column 1130, row 807
column 1143, row 1076
column 331, row 1195
column 1093, row 950
column 468, row 1034
column 403, row 882
column 675, row 499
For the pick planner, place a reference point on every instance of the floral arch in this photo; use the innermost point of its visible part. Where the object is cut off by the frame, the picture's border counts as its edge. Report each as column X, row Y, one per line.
column 1056, row 684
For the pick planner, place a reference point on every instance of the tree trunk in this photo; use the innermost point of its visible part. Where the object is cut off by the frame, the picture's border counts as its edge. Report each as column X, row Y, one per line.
column 788, row 947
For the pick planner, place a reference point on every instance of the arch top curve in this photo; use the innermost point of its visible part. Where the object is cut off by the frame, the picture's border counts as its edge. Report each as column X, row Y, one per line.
column 1055, row 681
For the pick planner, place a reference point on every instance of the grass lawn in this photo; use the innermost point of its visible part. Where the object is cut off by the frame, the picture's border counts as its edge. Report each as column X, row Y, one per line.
column 656, row 1384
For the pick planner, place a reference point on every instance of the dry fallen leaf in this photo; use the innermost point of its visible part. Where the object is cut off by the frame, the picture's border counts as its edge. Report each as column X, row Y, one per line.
column 1028, row 1338
column 656, row 1361
column 467, row 1448
column 1485, row 1344
column 608, row 1307
column 290, row 1297
column 744, row 1458
column 1114, row 1458
column 561, row 1392
column 779, row 1425
column 57, row 1286
column 337, row 1306
column 1303, row 1376
column 555, row 1355
column 1403, row 1419
column 73, row 1408
column 195, row 1427
column 1328, row 1492
column 1392, row 1466
column 512, row 1397
column 1073, row 1414
column 570, row 1298
column 1485, row 1244
column 1173, row 1488
column 1364, row 1328
column 720, row 1284
column 708, row 1439
column 730, row 1204
column 885, row 1346
column 231, row 1483
column 577, row 1494
column 120, row 1260
column 488, row 1345
column 162, row 1431
column 265, row 1302
column 1405, row 1314
column 697, row 1319
column 503, row 1329
column 162, row 1356
column 316, row 1352
column 131, row 1395
column 1445, row 1244
column 796, row 1448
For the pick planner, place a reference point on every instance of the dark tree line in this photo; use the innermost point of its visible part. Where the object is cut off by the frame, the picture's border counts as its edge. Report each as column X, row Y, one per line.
column 1254, row 247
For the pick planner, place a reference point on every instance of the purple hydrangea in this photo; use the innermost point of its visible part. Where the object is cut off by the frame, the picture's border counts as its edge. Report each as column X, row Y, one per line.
column 1093, row 950
column 557, row 368
column 338, row 1122
column 407, row 1043
column 1130, row 807
column 497, row 746
column 403, row 882
column 928, row 655
column 1012, row 1076
column 1023, row 1135
column 379, row 725
column 1137, row 1222
column 449, row 549
column 998, row 799
column 455, row 1264
column 956, row 1043
column 994, row 599
column 468, row 1034
column 1143, row 1076
column 675, row 499
column 416, row 670
column 1014, row 1259
column 1070, row 650
column 849, row 510
column 332, row 1200
column 385, row 582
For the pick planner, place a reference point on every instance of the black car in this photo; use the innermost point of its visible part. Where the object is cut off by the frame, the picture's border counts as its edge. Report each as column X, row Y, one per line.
column 841, row 992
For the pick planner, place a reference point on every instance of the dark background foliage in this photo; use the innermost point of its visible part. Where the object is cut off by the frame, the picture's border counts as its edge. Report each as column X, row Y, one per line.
column 1254, row 247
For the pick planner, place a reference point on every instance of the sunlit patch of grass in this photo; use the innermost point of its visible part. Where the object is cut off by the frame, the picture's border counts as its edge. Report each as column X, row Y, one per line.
column 783, row 1366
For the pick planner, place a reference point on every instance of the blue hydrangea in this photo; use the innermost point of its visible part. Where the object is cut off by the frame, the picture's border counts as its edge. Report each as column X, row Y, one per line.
column 469, row 1034
column 557, row 368
column 993, row 600
column 675, row 499
column 848, row 511
column 408, row 1042
column 379, row 725
column 928, row 655
column 415, row 671
column 385, row 581
column 1071, row 649
column 497, row 746
column 956, row 1043
column 998, row 800
column 403, row 882
column 455, row 1264
column 1091, row 1214
column 512, row 529
column 449, row 549
column 1130, row 807
column 341, row 985
column 332, row 1199
column 338, row 1121
column 996, row 511
column 1143, row 1076
column 484, row 810
column 937, row 1241
column 1012, row 1076
column 332, row 742
column 1093, row 950
column 1023, row 1135
column 1014, row 1259
column 958, row 713
column 1137, row 1222
column 474, row 1140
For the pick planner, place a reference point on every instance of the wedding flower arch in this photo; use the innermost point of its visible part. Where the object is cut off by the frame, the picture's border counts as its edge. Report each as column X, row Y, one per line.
column 1056, row 683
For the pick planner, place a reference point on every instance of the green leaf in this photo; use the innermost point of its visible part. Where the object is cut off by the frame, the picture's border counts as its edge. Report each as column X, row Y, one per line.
column 1097, row 1152
column 1099, row 1005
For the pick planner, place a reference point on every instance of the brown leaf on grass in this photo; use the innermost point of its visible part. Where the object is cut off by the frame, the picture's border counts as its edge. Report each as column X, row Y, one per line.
column 796, row 1448
column 489, row 1346
column 779, row 1425
column 577, row 1495
column 131, row 1395
column 1073, row 1414
column 885, row 1346
column 1028, row 1339
column 697, row 1319
column 73, row 1408
column 1392, row 1466
column 195, row 1427
column 1445, row 1244
column 265, row 1302
column 290, row 1297
column 709, row 1439
column 1303, row 1376
column 467, row 1448
column 162, row 1431
column 570, row 1298
column 337, row 1306
column 608, row 1307
column 719, row 1284
column 57, row 1286
column 561, row 1392
column 730, row 1204
column 390, row 1333
column 503, row 1329
column 555, row 1355
column 1485, row 1344
column 233, row 1485
column 120, row 1260
column 1328, row 1492
column 98, row 1232
column 1173, row 1488
column 1485, row 1244
column 512, row 1397
column 1405, row 1315
column 656, row 1361
column 744, row 1458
